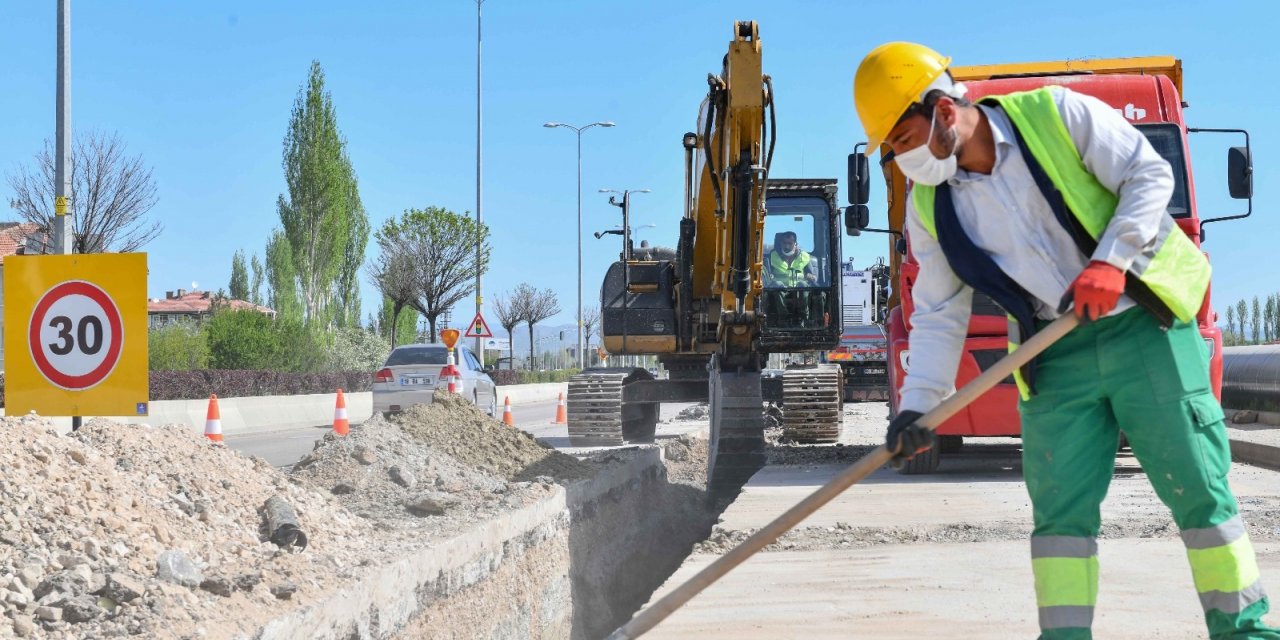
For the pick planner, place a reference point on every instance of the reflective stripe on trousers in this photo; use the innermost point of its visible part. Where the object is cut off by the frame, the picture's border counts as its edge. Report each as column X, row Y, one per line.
column 1066, row 573
column 1225, row 570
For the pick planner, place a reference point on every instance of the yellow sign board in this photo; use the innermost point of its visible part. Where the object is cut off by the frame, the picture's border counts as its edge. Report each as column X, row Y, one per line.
column 75, row 334
column 60, row 205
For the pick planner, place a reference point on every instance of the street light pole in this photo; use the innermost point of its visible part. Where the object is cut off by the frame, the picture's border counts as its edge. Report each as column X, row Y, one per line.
column 582, row 358
column 479, row 168
column 63, row 230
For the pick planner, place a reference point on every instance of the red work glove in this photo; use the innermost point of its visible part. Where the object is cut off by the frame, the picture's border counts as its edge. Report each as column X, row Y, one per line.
column 1096, row 290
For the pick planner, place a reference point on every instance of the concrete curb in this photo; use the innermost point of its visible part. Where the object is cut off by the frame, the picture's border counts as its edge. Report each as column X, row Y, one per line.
column 264, row 414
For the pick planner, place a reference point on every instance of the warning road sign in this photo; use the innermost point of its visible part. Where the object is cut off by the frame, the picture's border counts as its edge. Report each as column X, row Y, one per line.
column 478, row 328
column 76, row 338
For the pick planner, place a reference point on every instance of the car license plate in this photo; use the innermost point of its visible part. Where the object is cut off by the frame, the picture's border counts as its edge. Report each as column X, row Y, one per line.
column 407, row 381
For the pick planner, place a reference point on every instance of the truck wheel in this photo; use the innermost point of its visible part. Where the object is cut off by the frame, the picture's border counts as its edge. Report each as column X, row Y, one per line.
column 926, row 462
column 950, row 444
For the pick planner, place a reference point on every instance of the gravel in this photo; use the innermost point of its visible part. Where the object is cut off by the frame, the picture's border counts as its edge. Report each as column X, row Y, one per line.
column 129, row 530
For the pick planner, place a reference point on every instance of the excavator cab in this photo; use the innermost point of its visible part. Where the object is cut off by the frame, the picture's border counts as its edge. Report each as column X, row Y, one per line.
column 801, row 297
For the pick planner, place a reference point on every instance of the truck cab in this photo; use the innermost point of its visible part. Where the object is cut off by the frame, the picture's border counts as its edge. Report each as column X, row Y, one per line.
column 1147, row 92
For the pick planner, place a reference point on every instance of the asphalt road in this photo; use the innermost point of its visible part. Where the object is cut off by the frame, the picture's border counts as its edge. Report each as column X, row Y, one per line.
column 283, row 448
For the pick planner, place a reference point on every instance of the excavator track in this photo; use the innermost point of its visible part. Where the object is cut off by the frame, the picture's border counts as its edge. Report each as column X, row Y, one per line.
column 811, row 405
column 599, row 416
column 737, row 430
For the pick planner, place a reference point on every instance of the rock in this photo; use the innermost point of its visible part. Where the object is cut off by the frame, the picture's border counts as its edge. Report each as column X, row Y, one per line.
column 217, row 586
column 49, row 614
column 17, row 599
column 247, row 581
column 402, row 477
column 23, row 626
column 30, row 575
column 122, row 587
column 342, row 489
column 65, row 582
column 284, row 590
column 77, row 455
column 364, row 455
column 1245, row 417
column 81, row 609
column 677, row 452
column 430, row 504
column 174, row 566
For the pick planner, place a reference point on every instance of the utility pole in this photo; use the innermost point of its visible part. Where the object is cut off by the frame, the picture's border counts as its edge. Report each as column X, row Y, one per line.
column 63, row 229
column 479, row 165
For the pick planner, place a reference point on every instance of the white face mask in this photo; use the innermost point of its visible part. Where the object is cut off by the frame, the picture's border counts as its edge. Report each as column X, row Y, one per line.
column 921, row 166
column 789, row 253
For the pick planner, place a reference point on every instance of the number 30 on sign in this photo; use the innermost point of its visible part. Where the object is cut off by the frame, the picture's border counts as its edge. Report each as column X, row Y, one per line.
column 84, row 348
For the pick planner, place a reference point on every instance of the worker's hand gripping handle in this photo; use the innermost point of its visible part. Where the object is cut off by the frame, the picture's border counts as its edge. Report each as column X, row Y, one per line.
column 658, row 611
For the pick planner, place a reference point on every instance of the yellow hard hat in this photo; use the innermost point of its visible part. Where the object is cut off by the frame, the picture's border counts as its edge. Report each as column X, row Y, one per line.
column 890, row 79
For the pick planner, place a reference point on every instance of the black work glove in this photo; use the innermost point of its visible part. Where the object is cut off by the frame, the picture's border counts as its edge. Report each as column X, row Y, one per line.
column 906, row 437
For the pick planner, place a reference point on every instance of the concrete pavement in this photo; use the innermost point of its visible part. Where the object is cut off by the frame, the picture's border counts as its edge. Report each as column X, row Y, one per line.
column 946, row 555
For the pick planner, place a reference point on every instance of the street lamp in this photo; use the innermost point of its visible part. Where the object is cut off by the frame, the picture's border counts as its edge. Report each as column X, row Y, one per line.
column 582, row 363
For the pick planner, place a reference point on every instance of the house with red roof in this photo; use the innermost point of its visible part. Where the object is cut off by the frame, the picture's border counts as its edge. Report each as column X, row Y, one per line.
column 193, row 306
column 17, row 238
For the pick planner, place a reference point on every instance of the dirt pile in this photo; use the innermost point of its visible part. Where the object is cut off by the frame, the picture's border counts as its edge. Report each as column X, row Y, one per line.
column 458, row 428
column 400, row 484
column 155, row 532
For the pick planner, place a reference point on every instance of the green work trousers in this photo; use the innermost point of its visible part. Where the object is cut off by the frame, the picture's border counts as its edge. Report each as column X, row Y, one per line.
column 1125, row 373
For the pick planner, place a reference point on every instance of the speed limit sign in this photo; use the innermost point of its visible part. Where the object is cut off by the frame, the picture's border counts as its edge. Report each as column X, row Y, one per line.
column 76, row 334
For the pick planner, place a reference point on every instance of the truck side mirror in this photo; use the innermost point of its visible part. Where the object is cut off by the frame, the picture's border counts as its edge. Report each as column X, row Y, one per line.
column 856, row 218
column 1239, row 173
column 859, row 177
column 901, row 245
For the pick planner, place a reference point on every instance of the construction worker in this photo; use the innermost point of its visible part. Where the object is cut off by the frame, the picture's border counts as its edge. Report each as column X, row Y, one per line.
column 789, row 267
column 1042, row 200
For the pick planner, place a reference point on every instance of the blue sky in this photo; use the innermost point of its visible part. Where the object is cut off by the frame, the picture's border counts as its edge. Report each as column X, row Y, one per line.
column 203, row 92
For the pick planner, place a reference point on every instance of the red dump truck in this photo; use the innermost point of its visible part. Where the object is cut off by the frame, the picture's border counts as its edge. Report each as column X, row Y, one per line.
column 1147, row 92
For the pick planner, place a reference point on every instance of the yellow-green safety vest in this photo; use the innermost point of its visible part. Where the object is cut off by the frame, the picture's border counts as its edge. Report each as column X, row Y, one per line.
column 1173, row 267
column 788, row 275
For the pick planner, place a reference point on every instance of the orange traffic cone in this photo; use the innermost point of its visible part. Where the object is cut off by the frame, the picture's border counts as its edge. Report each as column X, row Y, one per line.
column 340, row 424
column 507, row 418
column 562, row 417
column 213, row 420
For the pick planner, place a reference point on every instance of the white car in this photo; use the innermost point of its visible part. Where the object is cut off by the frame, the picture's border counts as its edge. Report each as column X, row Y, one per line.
column 411, row 376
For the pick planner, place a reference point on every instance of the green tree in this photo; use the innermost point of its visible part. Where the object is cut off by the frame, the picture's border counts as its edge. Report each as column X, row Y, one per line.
column 402, row 328
column 1230, row 338
column 239, row 286
column 356, row 349
column 180, row 346
column 348, row 284
column 242, row 340
column 1242, row 313
column 255, row 289
column 1255, row 320
column 1275, row 317
column 323, row 202
column 447, row 250
column 281, row 277
column 394, row 273
column 1268, row 315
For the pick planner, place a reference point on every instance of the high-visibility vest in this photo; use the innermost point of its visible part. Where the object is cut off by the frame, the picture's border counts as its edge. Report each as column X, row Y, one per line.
column 788, row 275
column 1172, row 275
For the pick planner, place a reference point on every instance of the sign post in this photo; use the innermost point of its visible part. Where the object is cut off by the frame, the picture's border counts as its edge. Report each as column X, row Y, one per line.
column 77, row 338
column 450, row 372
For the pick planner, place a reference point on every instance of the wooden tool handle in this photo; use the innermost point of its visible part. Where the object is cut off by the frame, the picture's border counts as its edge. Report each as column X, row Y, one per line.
column 658, row 611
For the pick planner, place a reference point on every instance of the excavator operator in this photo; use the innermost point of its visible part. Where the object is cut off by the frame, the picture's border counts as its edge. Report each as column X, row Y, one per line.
column 1041, row 199
column 790, row 267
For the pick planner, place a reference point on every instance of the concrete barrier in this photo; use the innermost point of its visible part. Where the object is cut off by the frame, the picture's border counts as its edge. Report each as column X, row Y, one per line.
column 537, row 392
column 262, row 414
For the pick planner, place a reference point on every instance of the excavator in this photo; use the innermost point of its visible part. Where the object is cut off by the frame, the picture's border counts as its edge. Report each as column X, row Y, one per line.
column 756, row 271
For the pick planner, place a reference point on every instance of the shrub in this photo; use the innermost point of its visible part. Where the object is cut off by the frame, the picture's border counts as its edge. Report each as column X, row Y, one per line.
column 189, row 385
column 250, row 340
column 177, row 347
column 357, row 349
